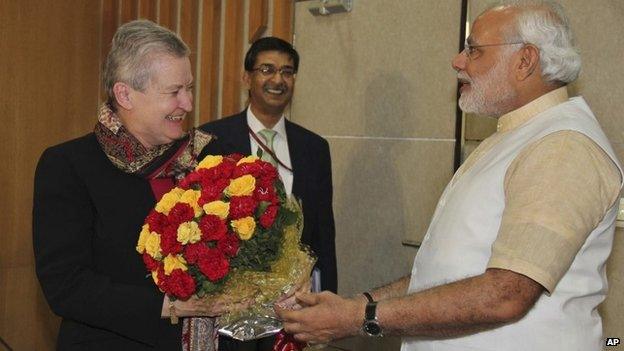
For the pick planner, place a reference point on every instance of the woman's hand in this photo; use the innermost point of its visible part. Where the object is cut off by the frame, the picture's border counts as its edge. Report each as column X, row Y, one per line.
column 203, row 307
column 288, row 300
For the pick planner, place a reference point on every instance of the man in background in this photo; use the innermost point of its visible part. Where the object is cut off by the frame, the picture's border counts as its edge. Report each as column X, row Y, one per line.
column 301, row 156
column 514, row 257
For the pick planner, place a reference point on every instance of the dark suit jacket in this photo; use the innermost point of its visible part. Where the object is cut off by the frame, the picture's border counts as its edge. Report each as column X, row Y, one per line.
column 312, row 183
column 87, row 216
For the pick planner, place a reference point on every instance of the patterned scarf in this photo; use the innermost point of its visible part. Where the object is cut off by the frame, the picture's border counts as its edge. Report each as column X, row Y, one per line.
column 173, row 160
column 163, row 166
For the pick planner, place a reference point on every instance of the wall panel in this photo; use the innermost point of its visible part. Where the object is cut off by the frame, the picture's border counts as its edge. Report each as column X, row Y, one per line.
column 232, row 61
column 148, row 9
column 283, row 19
column 377, row 83
column 168, row 14
column 50, row 68
column 258, row 17
column 208, row 76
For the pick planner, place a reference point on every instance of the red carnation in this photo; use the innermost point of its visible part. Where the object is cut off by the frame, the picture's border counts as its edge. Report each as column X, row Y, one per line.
column 242, row 206
column 268, row 172
column 212, row 227
column 229, row 245
column 190, row 179
column 252, row 168
column 212, row 191
column 180, row 213
column 169, row 241
column 205, row 175
column 265, row 193
column 160, row 273
column 179, row 284
column 156, row 221
column 221, row 171
column 268, row 217
column 214, row 265
column 210, row 174
column 234, row 157
column 193, row 252
column 225, row 169
column 149, row 262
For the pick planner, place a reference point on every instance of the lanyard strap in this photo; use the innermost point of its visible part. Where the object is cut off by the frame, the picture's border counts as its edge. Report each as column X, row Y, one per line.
column 267, row 149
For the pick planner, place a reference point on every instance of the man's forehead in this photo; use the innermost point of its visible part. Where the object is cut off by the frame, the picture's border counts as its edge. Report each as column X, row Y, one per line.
column 273, row 56
column 490, row 25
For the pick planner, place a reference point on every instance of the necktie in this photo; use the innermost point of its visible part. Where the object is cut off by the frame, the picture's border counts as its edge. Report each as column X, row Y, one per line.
column 268, row 135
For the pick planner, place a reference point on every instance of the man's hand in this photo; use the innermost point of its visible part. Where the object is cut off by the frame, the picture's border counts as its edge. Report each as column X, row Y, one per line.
column 324, row 317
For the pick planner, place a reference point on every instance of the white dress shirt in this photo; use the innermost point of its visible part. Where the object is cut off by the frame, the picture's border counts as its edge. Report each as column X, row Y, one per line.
column 280, row 146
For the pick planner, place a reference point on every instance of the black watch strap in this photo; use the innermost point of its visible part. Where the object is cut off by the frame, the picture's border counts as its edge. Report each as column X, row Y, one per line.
column 371, row 311
column 371, row 307
column 371, row 326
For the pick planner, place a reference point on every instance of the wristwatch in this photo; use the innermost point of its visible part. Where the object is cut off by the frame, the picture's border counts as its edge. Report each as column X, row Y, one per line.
column 371, row 325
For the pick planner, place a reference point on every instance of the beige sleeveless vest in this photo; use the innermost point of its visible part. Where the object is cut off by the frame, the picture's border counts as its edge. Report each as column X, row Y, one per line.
column 466, row 222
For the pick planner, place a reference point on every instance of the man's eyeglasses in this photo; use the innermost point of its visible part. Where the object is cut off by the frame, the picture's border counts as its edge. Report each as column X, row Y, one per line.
column 473, row 52
column 270, row 70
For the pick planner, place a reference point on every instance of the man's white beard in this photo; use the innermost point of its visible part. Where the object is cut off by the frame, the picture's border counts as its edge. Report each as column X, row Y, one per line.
column 494, row 81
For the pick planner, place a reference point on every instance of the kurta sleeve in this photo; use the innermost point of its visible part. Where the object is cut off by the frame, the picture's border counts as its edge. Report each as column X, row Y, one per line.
column 556, row 192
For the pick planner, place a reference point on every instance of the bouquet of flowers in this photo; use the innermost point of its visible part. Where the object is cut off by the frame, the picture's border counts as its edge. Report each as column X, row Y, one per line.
column 227, row 228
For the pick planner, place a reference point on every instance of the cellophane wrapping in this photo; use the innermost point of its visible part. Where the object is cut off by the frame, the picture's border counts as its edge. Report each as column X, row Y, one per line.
column 291, row 269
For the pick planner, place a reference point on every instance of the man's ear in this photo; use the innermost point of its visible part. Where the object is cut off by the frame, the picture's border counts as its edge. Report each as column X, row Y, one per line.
column 529, row 62
column 246, row 80
column 122, row 95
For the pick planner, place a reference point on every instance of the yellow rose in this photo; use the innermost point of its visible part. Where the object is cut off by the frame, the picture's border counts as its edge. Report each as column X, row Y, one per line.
column 244, row 227
column 145, row 232
column 241, row 186
column 191, row 197
column 155, row 276
column 248, row 159
column 174, row 262
column 188, row 232
column 217, row 208
column 169, row 200
column 210, row 161
column 152, row 245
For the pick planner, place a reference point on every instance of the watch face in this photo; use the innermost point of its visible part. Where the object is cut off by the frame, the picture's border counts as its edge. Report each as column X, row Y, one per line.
column 372, row 328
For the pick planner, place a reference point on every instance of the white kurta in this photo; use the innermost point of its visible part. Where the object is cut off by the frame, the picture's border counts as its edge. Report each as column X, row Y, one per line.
column 465, row 225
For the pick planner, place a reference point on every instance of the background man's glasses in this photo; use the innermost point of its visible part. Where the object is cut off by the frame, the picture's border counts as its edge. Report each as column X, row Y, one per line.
column 270, row 70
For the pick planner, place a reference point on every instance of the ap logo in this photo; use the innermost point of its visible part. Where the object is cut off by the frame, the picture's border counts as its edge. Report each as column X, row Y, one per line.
column 612, row 342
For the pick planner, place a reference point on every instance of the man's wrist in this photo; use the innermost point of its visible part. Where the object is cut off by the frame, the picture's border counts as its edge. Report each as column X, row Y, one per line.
column 358, row 310
column 370, row 324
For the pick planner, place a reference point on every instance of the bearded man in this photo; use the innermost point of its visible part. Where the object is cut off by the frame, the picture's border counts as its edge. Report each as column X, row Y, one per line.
column 514, row 257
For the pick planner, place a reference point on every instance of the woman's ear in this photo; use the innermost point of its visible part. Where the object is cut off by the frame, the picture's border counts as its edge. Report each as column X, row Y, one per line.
column 122, row 95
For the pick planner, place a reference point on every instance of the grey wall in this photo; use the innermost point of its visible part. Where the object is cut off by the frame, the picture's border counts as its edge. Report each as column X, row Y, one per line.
column 377, row 83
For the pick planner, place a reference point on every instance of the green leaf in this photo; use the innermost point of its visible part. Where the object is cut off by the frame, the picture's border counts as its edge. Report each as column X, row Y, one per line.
column 262, row 206
column 210, row 287
column 289, row 217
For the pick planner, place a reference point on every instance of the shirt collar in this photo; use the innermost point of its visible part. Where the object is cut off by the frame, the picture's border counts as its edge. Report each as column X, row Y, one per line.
column 256, row 126
column 519, row 116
